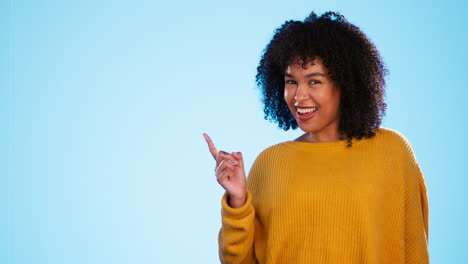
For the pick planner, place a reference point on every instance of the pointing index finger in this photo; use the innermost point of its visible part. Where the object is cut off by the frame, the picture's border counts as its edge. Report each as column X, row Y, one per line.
column 211, row 146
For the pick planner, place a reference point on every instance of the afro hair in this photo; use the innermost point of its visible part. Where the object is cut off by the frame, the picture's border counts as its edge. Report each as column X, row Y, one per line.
column 353, row 62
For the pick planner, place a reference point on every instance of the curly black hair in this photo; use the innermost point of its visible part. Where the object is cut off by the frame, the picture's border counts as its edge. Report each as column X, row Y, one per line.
column 353, row 61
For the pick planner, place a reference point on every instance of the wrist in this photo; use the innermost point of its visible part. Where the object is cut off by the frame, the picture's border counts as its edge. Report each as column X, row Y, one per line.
column 237, row 201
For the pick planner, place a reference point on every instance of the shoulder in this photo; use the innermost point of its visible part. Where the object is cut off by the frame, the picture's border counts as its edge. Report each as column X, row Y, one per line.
column 272, row 153
column 274, row 149
column 393, row 137
column 401, row 146
column 390, row 134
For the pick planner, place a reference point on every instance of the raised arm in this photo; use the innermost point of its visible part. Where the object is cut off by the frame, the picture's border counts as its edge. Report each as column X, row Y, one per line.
column 236, row 235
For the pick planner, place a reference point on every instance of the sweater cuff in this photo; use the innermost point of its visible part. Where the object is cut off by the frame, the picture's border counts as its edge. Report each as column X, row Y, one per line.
column 236, row 213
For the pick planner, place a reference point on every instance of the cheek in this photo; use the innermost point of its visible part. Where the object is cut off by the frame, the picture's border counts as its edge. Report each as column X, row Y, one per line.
column 336, row 97
column 288, row 98
column 286, row 94
column 335, row 102
column 331, row 97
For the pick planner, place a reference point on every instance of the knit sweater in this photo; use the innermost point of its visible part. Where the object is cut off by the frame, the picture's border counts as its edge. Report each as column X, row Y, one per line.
column 323, row 203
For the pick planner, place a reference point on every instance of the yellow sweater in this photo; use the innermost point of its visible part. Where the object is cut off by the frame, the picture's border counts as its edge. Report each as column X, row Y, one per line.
column 323, row 203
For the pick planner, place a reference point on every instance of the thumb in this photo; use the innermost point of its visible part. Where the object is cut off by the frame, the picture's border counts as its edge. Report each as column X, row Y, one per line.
column 240, row 159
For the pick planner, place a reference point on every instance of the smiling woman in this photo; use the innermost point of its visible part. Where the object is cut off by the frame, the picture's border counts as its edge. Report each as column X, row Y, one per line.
column 314, row 100
column 351, row 63
column 347, row 190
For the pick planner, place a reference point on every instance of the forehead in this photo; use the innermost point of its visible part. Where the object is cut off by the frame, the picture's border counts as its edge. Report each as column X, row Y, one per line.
column 310, row 65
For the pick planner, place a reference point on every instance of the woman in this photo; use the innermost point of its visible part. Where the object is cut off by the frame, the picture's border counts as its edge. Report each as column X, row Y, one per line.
column 347, row 190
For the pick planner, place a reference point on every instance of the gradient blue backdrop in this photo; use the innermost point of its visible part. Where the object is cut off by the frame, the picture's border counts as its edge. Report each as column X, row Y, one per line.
column 104, row 104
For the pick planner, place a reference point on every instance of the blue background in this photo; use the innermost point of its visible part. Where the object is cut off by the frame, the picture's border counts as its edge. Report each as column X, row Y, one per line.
column 104, row 104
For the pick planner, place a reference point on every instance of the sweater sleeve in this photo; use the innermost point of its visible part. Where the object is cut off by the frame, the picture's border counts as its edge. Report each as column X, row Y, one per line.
column 416, row 214
column 236, row 236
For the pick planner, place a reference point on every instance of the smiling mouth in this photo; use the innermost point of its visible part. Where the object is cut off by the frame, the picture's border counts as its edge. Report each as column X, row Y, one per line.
column 306, row 114
column 306, row 110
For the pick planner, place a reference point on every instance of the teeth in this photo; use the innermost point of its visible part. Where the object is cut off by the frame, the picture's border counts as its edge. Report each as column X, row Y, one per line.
column 308, row 110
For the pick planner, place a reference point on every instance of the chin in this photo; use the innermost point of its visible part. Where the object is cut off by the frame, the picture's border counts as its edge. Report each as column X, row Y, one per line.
column 308, row 129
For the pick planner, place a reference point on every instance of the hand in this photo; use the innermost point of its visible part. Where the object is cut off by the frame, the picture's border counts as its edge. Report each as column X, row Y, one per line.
column 230, row 173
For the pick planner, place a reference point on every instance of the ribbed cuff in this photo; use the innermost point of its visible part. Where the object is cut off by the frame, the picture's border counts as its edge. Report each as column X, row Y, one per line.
column 236, row 213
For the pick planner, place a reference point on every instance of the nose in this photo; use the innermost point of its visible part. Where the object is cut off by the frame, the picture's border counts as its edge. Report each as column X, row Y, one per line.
column 301, row 93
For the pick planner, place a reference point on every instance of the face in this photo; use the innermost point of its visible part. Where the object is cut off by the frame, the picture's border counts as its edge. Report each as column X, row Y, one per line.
column 313, row 98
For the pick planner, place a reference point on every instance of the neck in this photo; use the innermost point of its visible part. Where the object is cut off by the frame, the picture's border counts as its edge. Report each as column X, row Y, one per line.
column 319, row 138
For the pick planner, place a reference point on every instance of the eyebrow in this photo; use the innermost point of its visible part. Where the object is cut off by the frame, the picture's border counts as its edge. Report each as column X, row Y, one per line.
column 308, row 75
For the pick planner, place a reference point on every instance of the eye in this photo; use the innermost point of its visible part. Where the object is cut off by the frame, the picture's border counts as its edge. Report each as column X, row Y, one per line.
column 290, row 82
column 316, row 82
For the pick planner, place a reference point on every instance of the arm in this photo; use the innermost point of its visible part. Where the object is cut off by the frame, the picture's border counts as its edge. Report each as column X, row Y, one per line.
column 236, row 237
column 416, row 215
column 237, row 232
